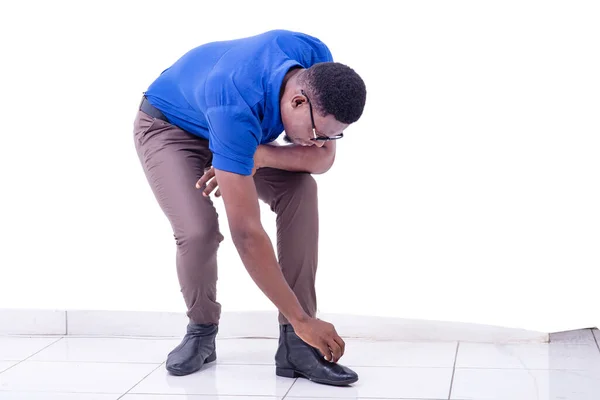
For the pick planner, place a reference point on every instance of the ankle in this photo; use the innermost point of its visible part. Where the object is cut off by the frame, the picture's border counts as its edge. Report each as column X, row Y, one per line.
column 202, row 329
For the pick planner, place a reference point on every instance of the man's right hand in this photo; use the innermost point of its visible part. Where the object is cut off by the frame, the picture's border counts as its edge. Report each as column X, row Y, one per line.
column 256, row 250
column 323, row 336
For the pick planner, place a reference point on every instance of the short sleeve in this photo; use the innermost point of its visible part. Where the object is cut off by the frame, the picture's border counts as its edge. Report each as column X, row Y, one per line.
column 234, row 135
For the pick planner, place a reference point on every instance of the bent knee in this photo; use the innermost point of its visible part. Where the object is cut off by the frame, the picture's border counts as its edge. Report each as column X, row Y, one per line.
column 306, row 183
column 302, row 190
column 198, row 236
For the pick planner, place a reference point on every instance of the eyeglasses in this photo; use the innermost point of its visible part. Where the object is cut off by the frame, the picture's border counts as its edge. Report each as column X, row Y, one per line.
column 312, row 119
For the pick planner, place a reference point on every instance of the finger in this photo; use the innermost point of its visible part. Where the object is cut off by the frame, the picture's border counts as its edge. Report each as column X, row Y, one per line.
column 218, row 192
column 205, row 178
column 202, row 181
column 212, row 185
column 208, row 175
column 340, row 343
column 324, row 349
column 336, row 350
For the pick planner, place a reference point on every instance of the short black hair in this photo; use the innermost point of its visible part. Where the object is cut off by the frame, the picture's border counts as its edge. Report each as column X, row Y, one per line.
column 337, row 90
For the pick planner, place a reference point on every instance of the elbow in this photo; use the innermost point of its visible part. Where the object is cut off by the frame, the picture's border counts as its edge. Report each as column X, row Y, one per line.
column 321, row 170
column 245, row 237
column 241, row 237
column 324, row 166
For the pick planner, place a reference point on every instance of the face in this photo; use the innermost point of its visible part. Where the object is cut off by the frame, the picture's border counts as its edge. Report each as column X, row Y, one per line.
column 298, row 125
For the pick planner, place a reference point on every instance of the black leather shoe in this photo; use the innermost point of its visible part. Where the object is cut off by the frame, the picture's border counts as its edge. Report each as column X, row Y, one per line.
column 295, row 358
column 196, row 349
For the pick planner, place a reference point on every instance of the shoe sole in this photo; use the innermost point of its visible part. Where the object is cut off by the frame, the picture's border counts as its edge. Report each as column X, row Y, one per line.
column 210, row 359
column 292, row 373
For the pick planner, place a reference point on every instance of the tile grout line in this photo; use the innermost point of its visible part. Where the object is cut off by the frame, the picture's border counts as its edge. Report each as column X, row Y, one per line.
column 140, row 381
column 242, row 364
column 25, row 359
column 288, row 391
column 244, row 396
column 66, row 322
column 595, row 340
column 453, row 370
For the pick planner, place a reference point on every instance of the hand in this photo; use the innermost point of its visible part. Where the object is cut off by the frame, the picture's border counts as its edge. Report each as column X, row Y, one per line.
column 210, row 180
column 321, row 335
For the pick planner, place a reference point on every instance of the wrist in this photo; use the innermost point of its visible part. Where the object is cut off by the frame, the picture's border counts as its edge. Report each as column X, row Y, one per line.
column 299, row 319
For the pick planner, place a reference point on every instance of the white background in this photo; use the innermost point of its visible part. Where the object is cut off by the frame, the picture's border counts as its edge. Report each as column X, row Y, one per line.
column 468, row 191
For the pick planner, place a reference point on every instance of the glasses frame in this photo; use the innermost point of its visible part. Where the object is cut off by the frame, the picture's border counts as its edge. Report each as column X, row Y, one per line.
column 314, row 129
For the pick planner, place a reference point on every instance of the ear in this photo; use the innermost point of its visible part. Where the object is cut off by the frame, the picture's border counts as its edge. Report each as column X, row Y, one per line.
column 298, row 100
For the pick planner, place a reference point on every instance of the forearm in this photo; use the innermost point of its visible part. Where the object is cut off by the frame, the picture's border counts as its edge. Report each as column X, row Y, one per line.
column 313, row 159
column 256, row 252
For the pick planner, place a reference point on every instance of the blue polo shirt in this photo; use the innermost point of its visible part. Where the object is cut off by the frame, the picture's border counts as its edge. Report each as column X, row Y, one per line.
column 228, row 92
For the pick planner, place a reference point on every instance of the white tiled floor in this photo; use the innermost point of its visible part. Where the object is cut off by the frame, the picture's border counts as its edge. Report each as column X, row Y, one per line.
column 523, row 384
column 529, row 356
column 76, row 368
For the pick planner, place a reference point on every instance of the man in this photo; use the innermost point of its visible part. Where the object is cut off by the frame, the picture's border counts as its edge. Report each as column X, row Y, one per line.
column 211, row 119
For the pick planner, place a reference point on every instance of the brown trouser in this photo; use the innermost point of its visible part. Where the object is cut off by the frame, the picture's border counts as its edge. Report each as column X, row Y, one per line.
column 173, row 161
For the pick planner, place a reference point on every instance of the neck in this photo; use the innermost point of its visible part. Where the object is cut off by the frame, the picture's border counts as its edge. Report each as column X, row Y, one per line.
column 289, row 79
